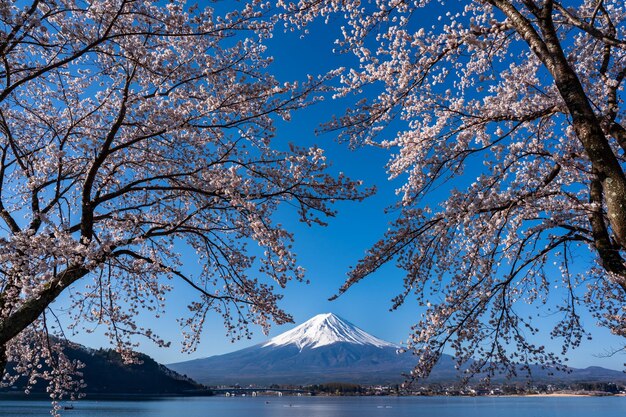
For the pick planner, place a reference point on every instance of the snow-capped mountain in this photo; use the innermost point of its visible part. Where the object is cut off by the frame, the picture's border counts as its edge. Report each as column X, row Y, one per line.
column 327, row 348
column 326, row 329
column 323, row 349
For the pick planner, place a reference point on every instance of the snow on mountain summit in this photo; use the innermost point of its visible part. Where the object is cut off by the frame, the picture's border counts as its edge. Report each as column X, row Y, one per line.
column 326, row 329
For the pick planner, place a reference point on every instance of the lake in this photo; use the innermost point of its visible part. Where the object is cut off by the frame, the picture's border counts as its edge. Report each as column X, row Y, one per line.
column 332, row 407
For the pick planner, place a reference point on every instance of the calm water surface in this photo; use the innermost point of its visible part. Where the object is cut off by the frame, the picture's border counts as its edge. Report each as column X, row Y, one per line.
column 332, row 407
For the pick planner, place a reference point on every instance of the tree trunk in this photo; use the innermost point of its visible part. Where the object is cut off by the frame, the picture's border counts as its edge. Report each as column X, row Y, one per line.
column 607, row 170
column 32, row 308
column 603, row 160
column 608, row 186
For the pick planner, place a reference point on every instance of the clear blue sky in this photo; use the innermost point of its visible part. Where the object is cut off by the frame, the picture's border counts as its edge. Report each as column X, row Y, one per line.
column 327, row 253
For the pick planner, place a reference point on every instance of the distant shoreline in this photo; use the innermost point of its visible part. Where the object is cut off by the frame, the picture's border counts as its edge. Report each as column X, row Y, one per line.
column 134, row 397
column 562, row 394
column 219, row 392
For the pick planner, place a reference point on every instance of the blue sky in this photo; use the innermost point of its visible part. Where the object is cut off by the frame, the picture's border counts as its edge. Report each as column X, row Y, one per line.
column 327, row 253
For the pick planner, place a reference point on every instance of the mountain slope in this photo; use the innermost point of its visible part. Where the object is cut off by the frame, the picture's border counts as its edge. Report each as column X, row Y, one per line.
column 340, row 362
column 106, row 373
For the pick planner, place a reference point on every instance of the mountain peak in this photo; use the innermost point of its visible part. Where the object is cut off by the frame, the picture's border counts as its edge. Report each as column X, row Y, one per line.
column 326, row 329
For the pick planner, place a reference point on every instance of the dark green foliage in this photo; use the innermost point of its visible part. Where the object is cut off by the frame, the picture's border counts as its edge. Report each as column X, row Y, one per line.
column 599, row 387
column 106, row 373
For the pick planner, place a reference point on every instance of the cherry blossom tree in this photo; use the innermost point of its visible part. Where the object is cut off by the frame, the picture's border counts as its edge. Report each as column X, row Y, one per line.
column 131, row 132
column 507, row 120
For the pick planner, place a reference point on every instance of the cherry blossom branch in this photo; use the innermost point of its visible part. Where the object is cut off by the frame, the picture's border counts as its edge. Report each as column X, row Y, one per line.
column 607, row 38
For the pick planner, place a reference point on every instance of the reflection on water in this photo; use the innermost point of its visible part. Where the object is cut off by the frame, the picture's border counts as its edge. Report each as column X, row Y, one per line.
column 332, row 407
